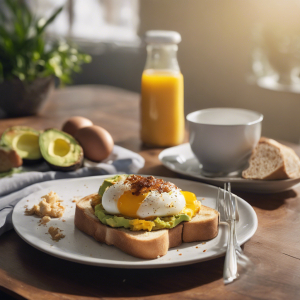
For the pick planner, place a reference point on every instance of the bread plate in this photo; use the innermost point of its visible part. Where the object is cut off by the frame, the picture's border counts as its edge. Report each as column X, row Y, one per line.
column 81, row 248
column 188, row 167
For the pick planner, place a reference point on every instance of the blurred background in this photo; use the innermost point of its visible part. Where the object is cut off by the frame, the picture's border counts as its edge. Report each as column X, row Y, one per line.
column 233, row 53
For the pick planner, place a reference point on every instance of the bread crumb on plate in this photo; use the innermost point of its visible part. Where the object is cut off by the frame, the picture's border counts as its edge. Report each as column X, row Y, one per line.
column 44, row 220
column 49, row 206
column 56, row 233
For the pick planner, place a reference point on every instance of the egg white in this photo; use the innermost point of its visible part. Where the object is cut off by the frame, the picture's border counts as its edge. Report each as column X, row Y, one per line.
column 154, row 205
column 161, row 204
column 111, row 196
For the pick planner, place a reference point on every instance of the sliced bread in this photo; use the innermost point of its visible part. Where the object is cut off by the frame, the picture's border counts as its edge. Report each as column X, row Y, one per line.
column 144, row 244
column 271, row 160
column 9, row 159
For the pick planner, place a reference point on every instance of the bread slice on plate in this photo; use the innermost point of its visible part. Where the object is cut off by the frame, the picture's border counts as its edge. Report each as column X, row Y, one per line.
column 271, row 160
column 144, row 244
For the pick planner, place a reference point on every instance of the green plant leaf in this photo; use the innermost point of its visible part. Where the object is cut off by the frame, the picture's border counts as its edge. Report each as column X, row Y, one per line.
column 3, row 32
column 27, row 17
column 24, row 51
column 40, row 47
column 19, row 31
column 40, row 29
column 86, row 58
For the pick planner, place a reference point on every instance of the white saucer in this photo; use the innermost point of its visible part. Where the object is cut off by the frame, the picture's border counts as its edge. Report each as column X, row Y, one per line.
column 187, row 165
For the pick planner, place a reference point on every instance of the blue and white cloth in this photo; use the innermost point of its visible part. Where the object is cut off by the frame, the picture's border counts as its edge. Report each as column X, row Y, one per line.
column 18, row 186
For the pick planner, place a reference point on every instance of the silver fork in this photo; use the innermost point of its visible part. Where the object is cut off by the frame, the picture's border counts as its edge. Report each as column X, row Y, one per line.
column 235, row 256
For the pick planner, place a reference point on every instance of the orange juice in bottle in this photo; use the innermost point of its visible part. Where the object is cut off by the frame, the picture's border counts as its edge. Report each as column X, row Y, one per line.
column 162, row 101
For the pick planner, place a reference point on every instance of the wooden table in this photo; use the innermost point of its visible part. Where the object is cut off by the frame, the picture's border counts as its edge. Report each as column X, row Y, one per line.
column 274, row 249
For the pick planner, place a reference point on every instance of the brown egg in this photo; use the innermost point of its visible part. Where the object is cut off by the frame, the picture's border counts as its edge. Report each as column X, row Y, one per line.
column 75, row 123
column 96, row 142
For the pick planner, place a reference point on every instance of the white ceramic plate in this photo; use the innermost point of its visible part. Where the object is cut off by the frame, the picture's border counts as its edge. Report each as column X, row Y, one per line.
column 81, row 248
column 189, row 167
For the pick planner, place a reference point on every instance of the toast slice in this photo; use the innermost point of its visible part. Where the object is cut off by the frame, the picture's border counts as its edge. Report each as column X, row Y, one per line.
column 271, row 160
column 144, row 244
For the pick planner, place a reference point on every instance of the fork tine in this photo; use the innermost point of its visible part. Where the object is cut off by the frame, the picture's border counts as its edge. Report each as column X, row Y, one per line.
column 226, row 206
column 229, row 187
column 224, row 193
column 237, row 215
column 232, row 210
column 232, row 204
column 218, row 200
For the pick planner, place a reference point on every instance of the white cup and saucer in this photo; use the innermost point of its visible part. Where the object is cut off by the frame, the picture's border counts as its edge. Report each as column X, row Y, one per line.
column 222, row 139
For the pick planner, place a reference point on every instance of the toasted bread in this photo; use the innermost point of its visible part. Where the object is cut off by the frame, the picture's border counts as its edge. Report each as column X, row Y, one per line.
column 144, row 244
column 271, row 160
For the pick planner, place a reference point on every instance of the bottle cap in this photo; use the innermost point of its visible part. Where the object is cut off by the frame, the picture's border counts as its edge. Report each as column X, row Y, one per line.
column 162, row 37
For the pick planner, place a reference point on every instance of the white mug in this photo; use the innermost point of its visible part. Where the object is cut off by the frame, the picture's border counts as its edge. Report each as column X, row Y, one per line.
column 222, row 139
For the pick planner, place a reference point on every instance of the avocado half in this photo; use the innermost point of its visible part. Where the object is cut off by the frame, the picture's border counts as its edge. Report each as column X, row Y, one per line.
column 25, row 141
column 60, row 150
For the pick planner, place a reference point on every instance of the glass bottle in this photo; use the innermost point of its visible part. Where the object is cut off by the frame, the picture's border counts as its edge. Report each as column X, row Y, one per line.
column 162, row 100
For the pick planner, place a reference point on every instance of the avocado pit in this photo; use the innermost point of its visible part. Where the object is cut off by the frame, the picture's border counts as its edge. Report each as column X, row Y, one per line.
column 59, row 147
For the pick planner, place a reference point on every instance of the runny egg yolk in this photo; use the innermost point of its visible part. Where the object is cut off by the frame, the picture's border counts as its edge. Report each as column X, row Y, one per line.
column 192, row 205
column 128, row 204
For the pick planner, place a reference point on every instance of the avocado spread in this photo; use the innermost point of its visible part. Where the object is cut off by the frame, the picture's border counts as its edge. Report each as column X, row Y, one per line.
column 109, row 182
column 137, row 224
column 133, row 224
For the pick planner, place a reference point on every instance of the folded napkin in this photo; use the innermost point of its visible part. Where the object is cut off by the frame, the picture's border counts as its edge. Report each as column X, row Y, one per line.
column 20, row 185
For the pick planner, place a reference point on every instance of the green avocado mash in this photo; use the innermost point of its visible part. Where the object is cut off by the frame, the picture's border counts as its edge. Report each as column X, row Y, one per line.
column 109, row 182
column 158, row 223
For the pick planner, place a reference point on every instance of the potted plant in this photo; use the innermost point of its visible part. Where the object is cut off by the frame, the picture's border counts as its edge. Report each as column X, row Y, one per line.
column 29, row 63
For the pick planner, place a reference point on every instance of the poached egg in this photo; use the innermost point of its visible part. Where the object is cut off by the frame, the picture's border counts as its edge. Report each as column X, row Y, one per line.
column 147, row 197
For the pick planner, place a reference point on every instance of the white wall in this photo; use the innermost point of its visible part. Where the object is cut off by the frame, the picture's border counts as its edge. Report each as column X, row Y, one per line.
column 215, row 55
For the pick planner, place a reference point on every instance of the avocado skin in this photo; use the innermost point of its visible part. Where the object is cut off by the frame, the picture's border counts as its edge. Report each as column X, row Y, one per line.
column 74, row 167
column 6, row 141
column 31, row 162
column 73, row 164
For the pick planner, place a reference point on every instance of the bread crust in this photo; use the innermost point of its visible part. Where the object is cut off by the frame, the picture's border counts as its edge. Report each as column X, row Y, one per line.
column 203, row 226
column 146, row 245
